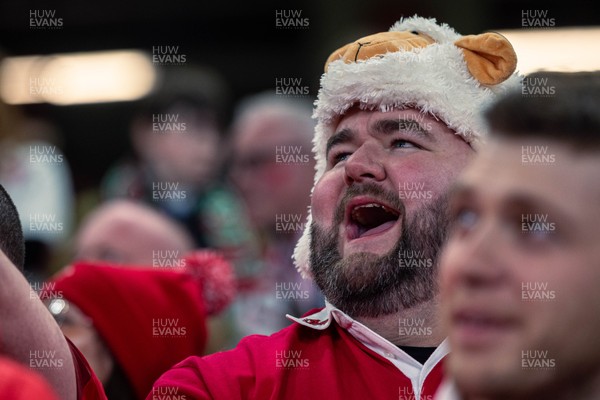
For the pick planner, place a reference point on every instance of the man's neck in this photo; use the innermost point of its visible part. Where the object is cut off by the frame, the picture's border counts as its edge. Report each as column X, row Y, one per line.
column 418, row 326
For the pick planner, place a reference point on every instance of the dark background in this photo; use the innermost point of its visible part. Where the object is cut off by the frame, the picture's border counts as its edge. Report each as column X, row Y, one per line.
column 240, row 41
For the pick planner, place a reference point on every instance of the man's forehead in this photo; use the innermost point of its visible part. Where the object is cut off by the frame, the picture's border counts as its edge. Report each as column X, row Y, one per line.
column 409, row 121
column 399, row 115
column 541, row 168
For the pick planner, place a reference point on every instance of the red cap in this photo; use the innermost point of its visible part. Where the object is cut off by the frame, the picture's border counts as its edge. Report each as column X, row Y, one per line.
column 149, row 318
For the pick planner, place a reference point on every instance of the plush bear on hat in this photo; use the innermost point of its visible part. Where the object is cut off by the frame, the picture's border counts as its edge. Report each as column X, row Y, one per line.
column 490, row 58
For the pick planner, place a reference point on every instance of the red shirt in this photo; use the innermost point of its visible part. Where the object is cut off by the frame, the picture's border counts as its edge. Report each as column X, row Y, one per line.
column 88, row 384
column 314, row 359
column 18, row 382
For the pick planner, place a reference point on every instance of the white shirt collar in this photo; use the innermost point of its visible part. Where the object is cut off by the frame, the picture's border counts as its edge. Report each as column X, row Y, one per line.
column 410, row 367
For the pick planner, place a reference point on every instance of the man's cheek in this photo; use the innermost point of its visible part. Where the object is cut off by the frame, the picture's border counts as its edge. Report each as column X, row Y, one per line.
column 420, row 178
column 447, row 268
column 323, row 202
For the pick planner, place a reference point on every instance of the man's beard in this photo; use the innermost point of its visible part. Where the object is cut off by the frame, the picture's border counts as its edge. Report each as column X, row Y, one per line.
column 367, row 285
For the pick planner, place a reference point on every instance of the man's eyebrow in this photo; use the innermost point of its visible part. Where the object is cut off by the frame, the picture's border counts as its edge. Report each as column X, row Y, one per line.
column 344, row 136
column 527, row 200
column 407, row 125
column 517, row 200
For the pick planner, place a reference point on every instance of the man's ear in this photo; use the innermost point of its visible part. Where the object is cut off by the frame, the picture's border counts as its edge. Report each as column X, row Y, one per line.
column 490, row 58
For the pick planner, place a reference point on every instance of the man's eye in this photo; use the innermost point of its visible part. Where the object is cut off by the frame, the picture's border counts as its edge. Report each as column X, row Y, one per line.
column 403, row 144
column 464, row 219
column 338, row 157
column 537, row 236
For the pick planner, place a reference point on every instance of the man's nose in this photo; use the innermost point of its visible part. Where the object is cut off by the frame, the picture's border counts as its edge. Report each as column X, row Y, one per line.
column 364, row 164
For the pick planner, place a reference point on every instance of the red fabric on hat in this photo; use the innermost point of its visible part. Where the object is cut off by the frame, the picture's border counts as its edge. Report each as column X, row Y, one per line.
column 217, row 277
column 150, row 319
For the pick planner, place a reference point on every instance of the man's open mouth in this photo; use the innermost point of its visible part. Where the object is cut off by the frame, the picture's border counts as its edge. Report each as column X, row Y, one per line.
column 368, row 217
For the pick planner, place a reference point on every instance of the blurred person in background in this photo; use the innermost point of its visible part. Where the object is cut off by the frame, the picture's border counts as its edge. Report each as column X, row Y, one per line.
column 179, row 144
column 521, row 269
column 177, row 138
column 129, row 232
column 132, row 324
column 273, row 169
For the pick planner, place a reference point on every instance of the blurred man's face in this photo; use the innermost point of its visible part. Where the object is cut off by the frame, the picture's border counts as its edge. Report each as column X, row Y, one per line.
column 127, row 234
column 379, row 210
column 521, row 270
column 186, row 151
column 102, row 241
column 273, row 168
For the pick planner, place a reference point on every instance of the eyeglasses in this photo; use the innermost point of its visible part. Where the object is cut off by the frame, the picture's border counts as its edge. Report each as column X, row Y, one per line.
column 253, row 161
column 65, row 313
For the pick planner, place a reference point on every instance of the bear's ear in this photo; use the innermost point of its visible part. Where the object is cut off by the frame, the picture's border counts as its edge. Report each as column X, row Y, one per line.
column 490, row 58
column 336, row 55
